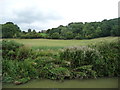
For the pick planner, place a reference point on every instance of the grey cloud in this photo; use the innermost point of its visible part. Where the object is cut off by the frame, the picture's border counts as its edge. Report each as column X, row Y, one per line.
column 37, row 26
column 32, row 15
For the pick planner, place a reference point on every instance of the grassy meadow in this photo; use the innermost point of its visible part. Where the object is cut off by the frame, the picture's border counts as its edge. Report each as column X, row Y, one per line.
column 57, row 44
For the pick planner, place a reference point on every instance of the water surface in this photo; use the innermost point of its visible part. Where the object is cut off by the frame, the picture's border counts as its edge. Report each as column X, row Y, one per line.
column 89, row 83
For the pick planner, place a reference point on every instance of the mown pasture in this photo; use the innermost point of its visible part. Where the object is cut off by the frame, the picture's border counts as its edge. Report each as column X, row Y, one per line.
column 57, row 44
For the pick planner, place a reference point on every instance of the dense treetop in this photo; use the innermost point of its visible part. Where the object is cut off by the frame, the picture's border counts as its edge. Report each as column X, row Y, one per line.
column 10, row 30
column 74, row 30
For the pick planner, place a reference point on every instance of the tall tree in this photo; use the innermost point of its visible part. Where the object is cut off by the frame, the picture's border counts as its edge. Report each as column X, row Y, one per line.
column 10, row 30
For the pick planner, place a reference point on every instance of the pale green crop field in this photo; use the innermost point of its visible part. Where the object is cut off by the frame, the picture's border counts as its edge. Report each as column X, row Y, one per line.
column 56, row 44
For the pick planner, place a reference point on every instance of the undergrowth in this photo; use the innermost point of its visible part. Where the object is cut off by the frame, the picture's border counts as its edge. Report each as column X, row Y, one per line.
column 21, row 64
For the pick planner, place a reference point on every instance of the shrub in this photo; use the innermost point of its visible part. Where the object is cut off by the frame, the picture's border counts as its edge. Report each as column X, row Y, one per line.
column 111, row 56
column 59, row 73
column 23, row 53
column 104, row 58
column 48, row 68
column 15, row 70
column 15, row 51
column 9, row 48
column 79, row 56
column 84, row 72
column 44, row 70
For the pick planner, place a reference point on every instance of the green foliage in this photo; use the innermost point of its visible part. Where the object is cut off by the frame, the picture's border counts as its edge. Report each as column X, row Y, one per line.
column 86, row 30
column 79, row 56
column 21, row 64
column 24, row 53
column 104, row 58
column 76, row 30
column 10, row 45
column 15, row 51
column 59, row 73
column 10, row 30
column 43, row 35
column 84, row 72
column 55, row 36
column 111, row 56
column 21, row 81
column 31, row 35
column 15, row 70
column 55, row 48
column 9, row 48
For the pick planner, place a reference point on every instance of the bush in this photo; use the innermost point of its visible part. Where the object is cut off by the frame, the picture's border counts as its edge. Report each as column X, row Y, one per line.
column 84, row 72
column 59, row 73
column 104, row 58
column 79, row 56
column 15, row 51
column 9, row 48
column 15, row 70
column 17, row 63
column 111, row 56
column 23, row 53
column 49, row 68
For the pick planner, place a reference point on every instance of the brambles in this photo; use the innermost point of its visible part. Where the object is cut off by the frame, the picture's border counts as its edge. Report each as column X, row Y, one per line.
column 79, row 56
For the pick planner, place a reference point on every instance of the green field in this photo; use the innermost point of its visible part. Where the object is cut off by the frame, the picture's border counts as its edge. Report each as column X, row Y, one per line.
column 56, row 44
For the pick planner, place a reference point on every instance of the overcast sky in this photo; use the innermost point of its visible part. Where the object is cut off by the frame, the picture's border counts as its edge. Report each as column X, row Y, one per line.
column 45, row 14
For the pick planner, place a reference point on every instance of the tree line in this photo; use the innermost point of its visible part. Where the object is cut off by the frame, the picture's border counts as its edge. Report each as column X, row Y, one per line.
column 74, row 30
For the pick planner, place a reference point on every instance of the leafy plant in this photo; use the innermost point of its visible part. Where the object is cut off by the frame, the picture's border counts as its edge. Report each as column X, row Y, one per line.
column 85, row 72
column 111, row 56
column 60, row 73
column 79, row 56
column 20, row 64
